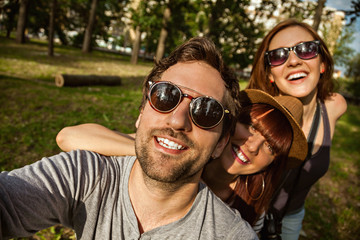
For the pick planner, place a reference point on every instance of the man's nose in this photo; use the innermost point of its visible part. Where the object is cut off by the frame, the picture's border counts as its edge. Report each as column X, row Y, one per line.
column 179, row 119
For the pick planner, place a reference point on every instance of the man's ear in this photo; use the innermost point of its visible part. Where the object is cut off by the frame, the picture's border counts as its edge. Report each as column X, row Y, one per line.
column 220, row 146
column 138, row 119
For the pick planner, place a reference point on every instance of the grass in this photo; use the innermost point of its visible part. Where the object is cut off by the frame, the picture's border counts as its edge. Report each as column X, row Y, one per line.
column 333, row 205
column 33, row 110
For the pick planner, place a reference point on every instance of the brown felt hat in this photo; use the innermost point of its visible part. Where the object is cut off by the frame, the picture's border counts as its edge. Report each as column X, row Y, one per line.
column 292, row 108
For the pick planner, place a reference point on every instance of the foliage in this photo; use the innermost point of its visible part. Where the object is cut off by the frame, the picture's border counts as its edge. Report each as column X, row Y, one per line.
column 292, row 9
column 148, row 15
column 234, row 30
column 10, row 10
column 354, row 12
column 353, row 72
column 71, row 15
column 342, row 52
column 236, row 26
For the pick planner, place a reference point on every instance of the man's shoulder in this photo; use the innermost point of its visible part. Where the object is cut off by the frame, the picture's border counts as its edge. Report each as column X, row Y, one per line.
column 89, row 161
column 228, row 221
column 91, row 157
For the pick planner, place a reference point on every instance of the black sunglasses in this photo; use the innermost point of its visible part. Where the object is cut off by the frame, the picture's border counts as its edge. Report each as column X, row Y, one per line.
column 304, row 50
column 205, row 112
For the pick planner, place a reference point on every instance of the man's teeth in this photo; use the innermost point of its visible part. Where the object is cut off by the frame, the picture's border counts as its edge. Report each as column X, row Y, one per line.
column 240, row 155
column 297, row 75
column 169, row 144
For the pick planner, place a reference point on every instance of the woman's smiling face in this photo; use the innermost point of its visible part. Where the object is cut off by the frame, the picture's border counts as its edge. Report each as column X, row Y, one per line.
column 295, row 77
column 248, row 152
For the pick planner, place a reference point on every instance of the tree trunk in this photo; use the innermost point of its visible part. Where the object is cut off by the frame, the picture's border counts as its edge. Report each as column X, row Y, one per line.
column 51, row 28
column 86, row 48
column 11, row 19
column 136, row 46
column 163, row 35
column 318, row 14
column 67, row 80
column 20, row 30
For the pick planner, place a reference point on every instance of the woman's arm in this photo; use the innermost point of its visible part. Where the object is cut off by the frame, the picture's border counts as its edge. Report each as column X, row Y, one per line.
column 336, row 106
column 97, row 138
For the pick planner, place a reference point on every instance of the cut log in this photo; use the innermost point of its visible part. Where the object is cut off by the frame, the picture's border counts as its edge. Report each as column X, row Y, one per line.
column 68, row 80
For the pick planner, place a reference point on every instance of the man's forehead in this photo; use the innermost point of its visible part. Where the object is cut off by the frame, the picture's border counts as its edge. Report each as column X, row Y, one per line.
column 196, row 76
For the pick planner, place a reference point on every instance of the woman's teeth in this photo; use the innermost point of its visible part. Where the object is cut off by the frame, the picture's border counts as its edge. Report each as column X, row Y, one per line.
column 166, row 143
column 240, row 155
column 297, row 76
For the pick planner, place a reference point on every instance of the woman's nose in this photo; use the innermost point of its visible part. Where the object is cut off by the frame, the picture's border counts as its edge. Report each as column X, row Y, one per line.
column 293, row 59
column 254, row 143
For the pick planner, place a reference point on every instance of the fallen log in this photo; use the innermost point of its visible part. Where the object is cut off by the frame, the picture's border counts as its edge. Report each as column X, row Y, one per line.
column 68, row 80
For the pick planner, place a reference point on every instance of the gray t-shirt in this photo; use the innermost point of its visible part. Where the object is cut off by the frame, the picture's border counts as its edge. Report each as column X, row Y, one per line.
column 89, row 193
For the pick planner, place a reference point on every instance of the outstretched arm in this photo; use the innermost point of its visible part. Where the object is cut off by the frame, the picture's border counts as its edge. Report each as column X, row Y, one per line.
column 97, row 138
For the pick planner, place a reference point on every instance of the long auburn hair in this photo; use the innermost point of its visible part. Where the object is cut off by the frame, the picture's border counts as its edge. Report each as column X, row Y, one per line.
column 261, row 69
column 276, row 129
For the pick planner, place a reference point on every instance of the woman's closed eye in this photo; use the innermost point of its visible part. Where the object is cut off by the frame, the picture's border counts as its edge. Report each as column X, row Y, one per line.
column 268, row 148
column 252, row 129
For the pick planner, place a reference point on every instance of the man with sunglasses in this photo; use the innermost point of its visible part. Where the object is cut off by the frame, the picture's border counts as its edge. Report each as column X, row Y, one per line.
column 186, row 114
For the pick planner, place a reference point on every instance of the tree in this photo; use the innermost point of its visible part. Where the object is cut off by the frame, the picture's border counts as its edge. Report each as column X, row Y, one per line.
column 9, row 11
column 236, row 30
column 136, row 46
column 89, row 28
column 342, row 53
column 353, row 72
column 163, row 34
column 318, row 14
column 353, row 69
column 21, row 24
column 51, row 28
column 353, row 13
column 299, row 10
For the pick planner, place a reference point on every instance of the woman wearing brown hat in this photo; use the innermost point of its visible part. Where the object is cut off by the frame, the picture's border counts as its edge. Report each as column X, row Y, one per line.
column 247, row 172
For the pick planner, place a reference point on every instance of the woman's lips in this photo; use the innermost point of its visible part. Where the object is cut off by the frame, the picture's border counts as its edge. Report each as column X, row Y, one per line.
column 297, row 76
column 239, row 155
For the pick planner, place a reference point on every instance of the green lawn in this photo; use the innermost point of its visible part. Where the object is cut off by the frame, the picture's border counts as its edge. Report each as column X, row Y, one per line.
column 33, row 110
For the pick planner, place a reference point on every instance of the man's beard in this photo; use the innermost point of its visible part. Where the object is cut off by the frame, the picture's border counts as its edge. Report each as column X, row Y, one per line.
column 165, row 168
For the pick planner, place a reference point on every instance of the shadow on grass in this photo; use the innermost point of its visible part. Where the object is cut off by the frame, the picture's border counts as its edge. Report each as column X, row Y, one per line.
column 63, row 55
column 320, row 225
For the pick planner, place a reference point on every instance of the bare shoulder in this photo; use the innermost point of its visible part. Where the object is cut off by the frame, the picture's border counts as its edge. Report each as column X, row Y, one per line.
column 336, row 106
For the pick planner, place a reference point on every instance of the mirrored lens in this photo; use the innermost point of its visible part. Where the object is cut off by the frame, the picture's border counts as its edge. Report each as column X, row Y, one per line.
column 306, row 50
column 164, row 96
column 206, row 112
column 278, row 56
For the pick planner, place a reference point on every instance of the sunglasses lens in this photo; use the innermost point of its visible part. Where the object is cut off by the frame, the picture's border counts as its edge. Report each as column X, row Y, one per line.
column 206, row 112
column 164, row 97
column 307, row 50
column 278, row 56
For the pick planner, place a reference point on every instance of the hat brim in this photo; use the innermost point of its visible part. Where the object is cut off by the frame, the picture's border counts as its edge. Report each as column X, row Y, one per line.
column 299, row 146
